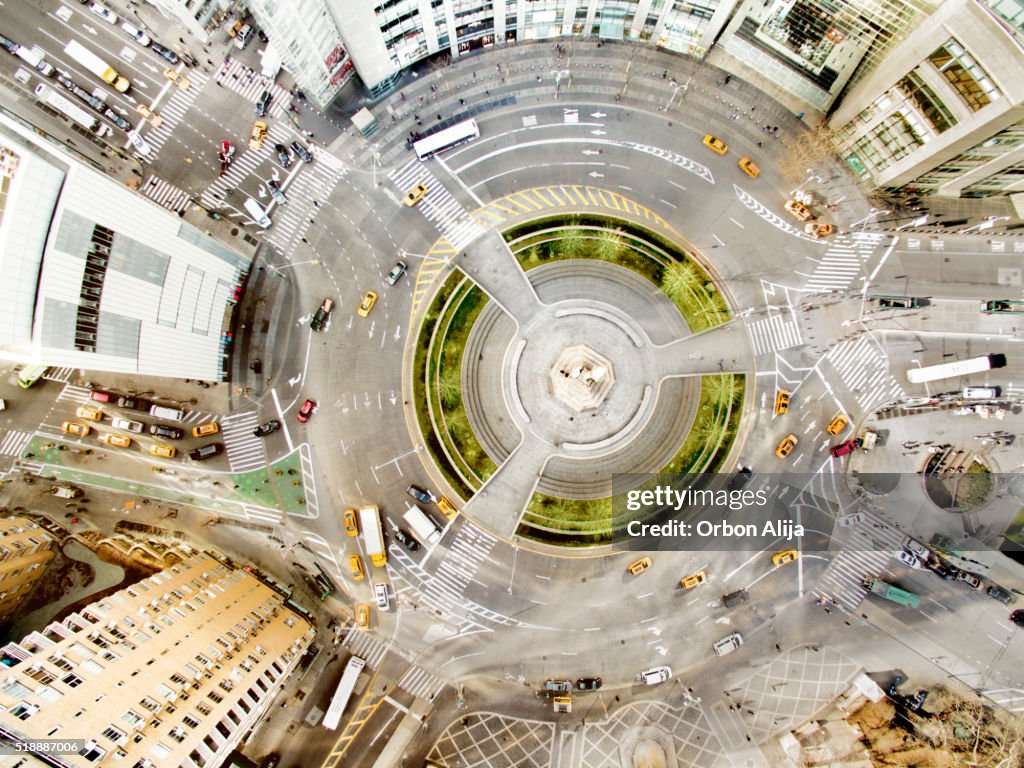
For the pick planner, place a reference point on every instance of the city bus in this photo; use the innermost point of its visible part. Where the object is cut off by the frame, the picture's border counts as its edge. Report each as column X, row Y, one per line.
column 956, row 368
column 373, row 536
column 1003, row 307
column 30, row 374
column 343, row 693
column 446, row 138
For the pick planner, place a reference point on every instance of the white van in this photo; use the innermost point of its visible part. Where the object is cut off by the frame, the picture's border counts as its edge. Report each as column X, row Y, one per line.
column 258, row 213
column 980, row 393
column 163, row 412
column 35, row 57
column 243, row 36
column 728, row 644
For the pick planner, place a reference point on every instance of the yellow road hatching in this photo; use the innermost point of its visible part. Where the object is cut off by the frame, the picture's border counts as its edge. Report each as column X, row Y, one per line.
column 439, row 260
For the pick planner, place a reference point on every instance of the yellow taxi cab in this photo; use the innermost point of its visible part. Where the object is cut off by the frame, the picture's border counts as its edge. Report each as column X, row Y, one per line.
column 799, row 210
column 716, row 145
column 750, row 167
column 639, row 566
column 782, row 402
column 355, row 564
column 209, row 428
column 118, row 441
column 85, row 412
column 164, row 451
column 814, row 229
column 151, row 117
column 786, row 446
column 362, row 616
column 693, row 580
column 838, row 424
column 446, row 506
column 786, row 556
column 74, row 428
column 351, row 526
column 257, row 135
column 415, row 194
column 177, row 78
column 366, row 305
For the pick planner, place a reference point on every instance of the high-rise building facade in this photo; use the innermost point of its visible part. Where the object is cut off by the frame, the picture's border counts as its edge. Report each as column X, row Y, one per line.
column 944, row 113
column 25, row 551
column 171, row 671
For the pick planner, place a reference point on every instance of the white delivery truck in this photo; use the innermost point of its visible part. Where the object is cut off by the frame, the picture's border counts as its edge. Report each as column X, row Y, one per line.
column 422, row 526
column 96, row 65
column 257, row 212
column 72, row 111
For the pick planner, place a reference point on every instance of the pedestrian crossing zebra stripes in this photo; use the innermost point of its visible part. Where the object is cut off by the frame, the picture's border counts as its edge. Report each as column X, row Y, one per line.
column 843, row 262
column 366, row 646
column 13, row 442
column 165, row 194
column 173, row 110
column 438, row 206
column 58, row 374
column 74, row 394
column 864, row 370
column 243, row 165
column 421, row 683
column 249, row 84
column 1008, row 698
column 316, row 182
column 868, row 555
column 244, row 449
column 776, row 332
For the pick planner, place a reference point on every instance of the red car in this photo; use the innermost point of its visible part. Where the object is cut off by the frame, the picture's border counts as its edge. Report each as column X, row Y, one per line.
column 306, row 411
column 844, row 448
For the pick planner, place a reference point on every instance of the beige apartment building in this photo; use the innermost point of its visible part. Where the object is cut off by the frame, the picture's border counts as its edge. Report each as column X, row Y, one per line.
column 25, row 551
column 172, row 671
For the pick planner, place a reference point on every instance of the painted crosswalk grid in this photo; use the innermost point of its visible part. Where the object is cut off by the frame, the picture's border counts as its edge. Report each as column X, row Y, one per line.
column 366, row 646
column 13, row 441
column 421, row 683
column 244, row 449
column 171, row 112
column 165, row 194
column 438, row 206
column 777, row 331
column 864, row 369
column 844, row 261
column 866, row 556
column 250, row 84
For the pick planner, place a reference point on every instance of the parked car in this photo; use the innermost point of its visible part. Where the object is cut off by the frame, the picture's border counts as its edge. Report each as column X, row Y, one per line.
column 306, row 411
column 127, row 424
column 206, row 452
column 267, row 428
column 557, row 686
column 909, row 559
column 396, row 273
column 728, row 644
column 104, row 13
column 655, row 675
column 588, row 683
column 102, row 397
column 136, row 34
column 420, row 494
column 165, row 52
column 1001, row 594
column 1017, row 617
column 171, row 433
column 406, row 540
column 116, row 119
column 134, row 404
column 970, row 579
column 302, row 152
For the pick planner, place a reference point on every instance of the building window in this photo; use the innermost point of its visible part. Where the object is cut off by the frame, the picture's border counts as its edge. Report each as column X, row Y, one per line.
column 71, row 680
column 92, row 752
column 24, row 711
column 190, row 721
column 964, row 74
column 113, row 734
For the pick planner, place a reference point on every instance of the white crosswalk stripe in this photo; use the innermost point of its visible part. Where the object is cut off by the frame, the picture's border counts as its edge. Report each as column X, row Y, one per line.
column 58, row 374
column 74, row 394
column 777, row 331
column 843, row 261
column 864, row 370
column 1008, row 698
column 165, row 194
column 249, row 84
column 13, row 442
column 438, row 206
column 366, row 646
column 245, row 450
column 198, row 417
column 421, row 683
column 174, row 109
column 868, row 554
column 316, row 182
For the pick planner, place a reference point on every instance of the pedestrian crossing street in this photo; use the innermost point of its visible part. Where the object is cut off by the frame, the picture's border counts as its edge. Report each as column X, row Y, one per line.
column 866, row 555
column 843, row 261
column 165, row 194
column 249, row 84
column 13, row 442
column 244, row 164
column 173, row 110
column 438, row 206
column 244, row 449
column 778, row 331
column 864, row 370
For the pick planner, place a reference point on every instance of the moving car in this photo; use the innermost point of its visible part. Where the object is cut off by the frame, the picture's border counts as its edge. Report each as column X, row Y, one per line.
column 749, row 167
column 206, row 452
column 557, row 686
column 128, row 424
column 908, row 559
column 302, row 152
column 104, row 13
column 415, row 194
column 177, row 78
column 362, row 616
column 694, row 580
column 446, row 506
column 91, row 414
column 74, row 428
column 798, row 210
column 136, row 34
column 282, row 155
column 845, row 447
column 786, row 446
column 816, row 230
column 322, row 314
column 588, row 683
column 355, row 565
column 850, row 520
column 149, row 115
column 728, row 644
column 782, row 402
column 735, row 598
column 380, row 594
column 716, row 145
column 306, row 411
column 406, row 540
column 263, row 103
column 257, row 135
column 118, row 441
column 420, row 494
column 366, row 305
column 396, row 273
column 209, row 428
column 267, row 428
column 655, row 675
column 134, row 404
column 970, row 579
column 351, row 522
column 838, row 424
column 916, row 547
column 101, row 397
column 785, row 556
column 639, row 566
column 1017, row 617
column 172, row 433
column 164, row 52
column 1001, row 594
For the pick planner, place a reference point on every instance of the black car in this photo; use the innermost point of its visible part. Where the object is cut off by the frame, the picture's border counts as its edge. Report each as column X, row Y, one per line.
column 206, row 452
column 321, row 316
column 1001, row 594
column 420, row 494
column 735, row 598
column 166, row 52
column 173, row 433
column 588, row 683
column 406, row 540
column 302, row 152
column 134, row 404
column 265, row 429
column 263, row 103
column 10, row 45
column 282, row 155
column 1017, row 617
column 67, row 82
